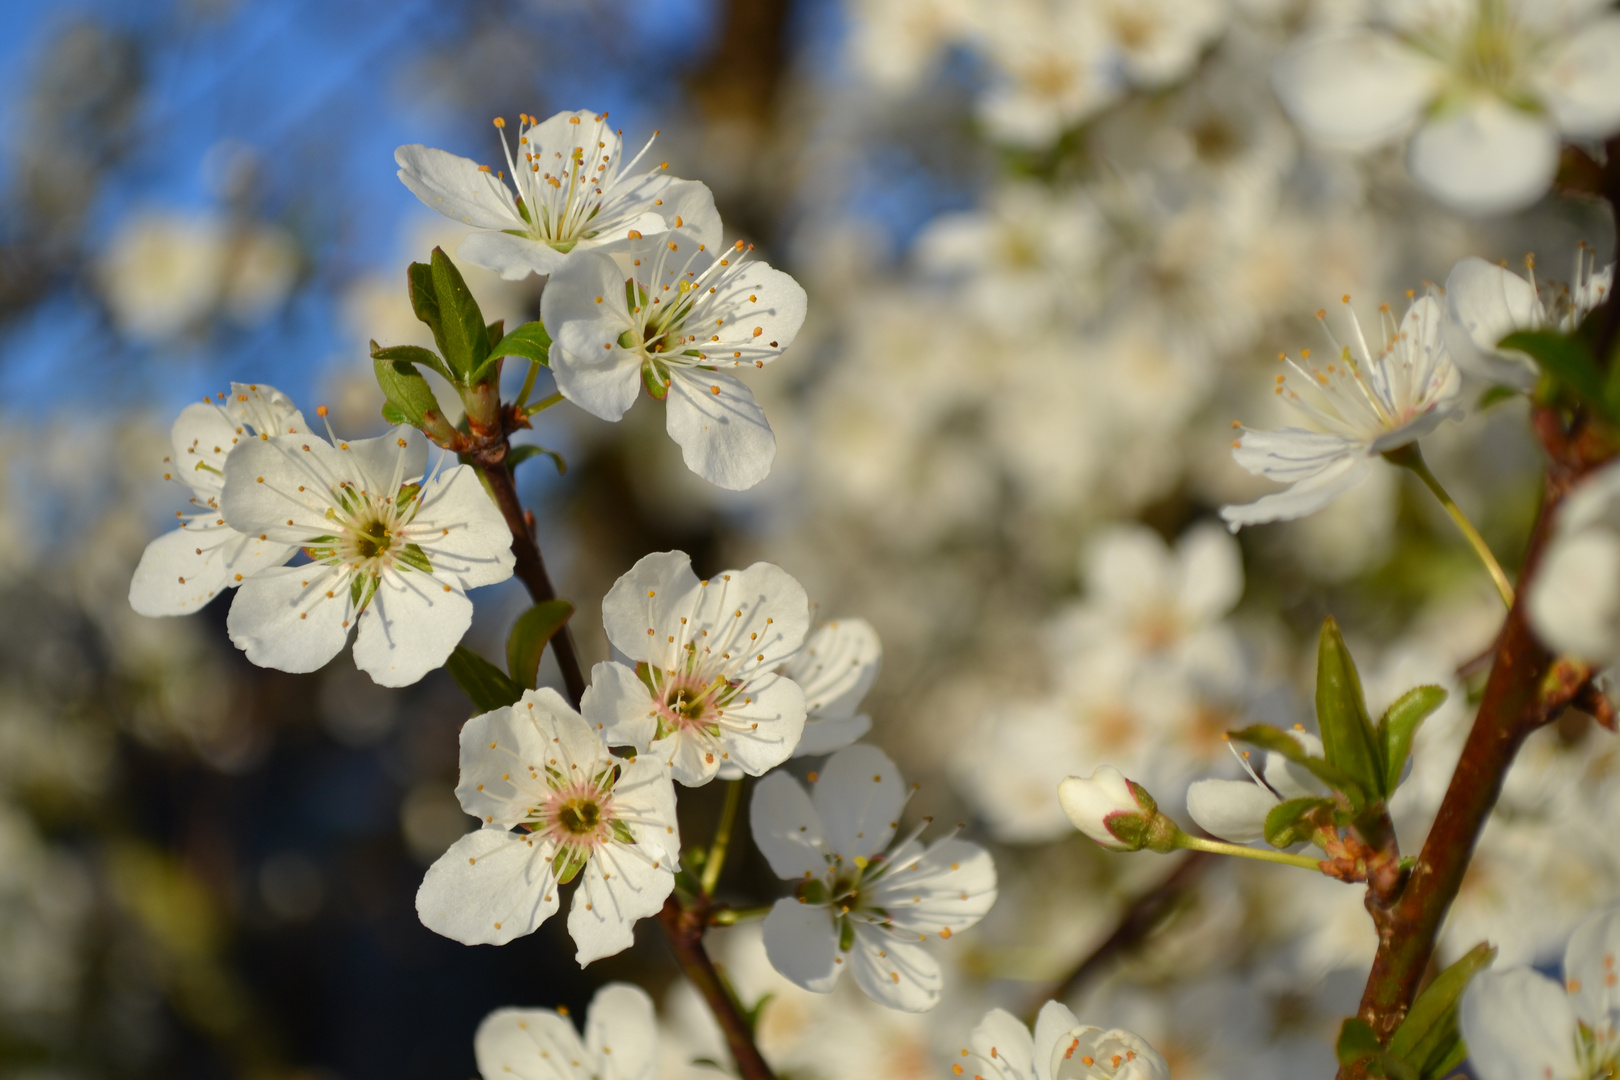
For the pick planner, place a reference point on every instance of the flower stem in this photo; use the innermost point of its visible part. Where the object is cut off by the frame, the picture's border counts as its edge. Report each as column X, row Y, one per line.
column 685, row 931
column 528, row 385
column 730, row 916
column 1221, row 847
column 1410, row 457
column 722, row 837
column 543, row 404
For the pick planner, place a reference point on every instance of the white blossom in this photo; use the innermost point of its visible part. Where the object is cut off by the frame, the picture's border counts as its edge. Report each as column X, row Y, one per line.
column 704, row 692
column 836, row 667
column 620, row 1043
column 1061, row 1048
column 858, row 900
column 1574, row 598
column 668, row 315
column 1236, row 810
column 1362, row 404
column 1518, row 1023
column 574, row 192
column 1490, row 88
column 555, row 805
column 389, row 549
column 182, row 570
column 1100, row 805
column 1485, row 303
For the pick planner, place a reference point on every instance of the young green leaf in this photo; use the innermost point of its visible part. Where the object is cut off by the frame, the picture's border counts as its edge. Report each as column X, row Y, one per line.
column 1399, row 725
column 407, row 392
column 1278, row 741
column 519, row 454
column 1348, row 737
column 1428, row 1039
column 1294, row 821
column 529, row 341
column 1358, row 1044
column 411, row 354
column 485, row 685
column 1566, row 359
column 528, row 639
column 462, row 335
column 425, row 298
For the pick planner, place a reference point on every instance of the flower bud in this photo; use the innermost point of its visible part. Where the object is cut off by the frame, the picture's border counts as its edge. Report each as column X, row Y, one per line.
column 1115, row 812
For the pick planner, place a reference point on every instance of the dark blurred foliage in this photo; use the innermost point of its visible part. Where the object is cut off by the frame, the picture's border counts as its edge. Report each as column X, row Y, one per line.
column 246, row 853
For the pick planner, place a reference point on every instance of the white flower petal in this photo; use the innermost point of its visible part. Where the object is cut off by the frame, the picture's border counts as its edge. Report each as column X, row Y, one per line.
column 457, row 188
column 758, row 615
column 621, row 1032
column 1574, row 601
column 858, row 797
column 1591, row 968
column 721, row 430
column 583, row 307
column 533, row 1044
column 1305, row 497
column 1233, row 810
column 1485, row 158
column 410, row 627
column 787, row 830
column 497, row 750
column 1354, row 88
column 1581, row 83
column 619, row 704
column 652, row 596
column 1053, row 1025
column 825, row 736
column 1209, row 572
column 1517, row 1024
column 1485, row 303
column 801, row 943
column 1003, row 1040
column 895, row 973
column 948, row 889
column 183, row 569
column 283, row 618
column 202, row 435
column 385, row 462
column 490, row 887
column 281, row 488
column 1127, row 568
column 461, row 531
column 771, row 714
column 617, row 888
column 837, row 666
column 1291, row 454
column 512, row 257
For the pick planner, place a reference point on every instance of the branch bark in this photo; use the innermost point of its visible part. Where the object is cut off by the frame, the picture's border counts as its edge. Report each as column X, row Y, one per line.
column 684, row 928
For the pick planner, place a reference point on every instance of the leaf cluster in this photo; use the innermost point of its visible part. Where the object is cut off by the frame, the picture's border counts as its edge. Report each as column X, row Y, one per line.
column 1428, row 1045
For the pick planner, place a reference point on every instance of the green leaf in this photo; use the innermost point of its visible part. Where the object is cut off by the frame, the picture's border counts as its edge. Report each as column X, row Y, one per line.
column 1494, row 396
column 1357, row 1044
column 485, row 685
column 392, row 414
column 528, row 639
column 1348, row 737
column 1290, row 822
column 425, row 298
column 463, row 337
column 494, row 331
column 1428, row 1039
column 519, row 454
column 408, row 394
column 529, row 341
column 1279, row 741
column 1400, row 723
column 1566, row 359
column 411, row 354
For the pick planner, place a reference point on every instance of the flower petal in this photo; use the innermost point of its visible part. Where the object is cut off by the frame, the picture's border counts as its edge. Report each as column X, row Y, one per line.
column 1485, row 158
column 182, row 570
column 490, row 887
column 532, row 1043
column 858, row 797
column 836, row 667
column 457, row 188
column 619, row 887
column 1054, row 1024
column 650, row 599
column 787, row 830
column 461, row 531
column 583, row 307
column 291, row 618
column 801, row 943
column 499, row 752
column 1209, row 573
column 1233, row 810
column 1305, row 497
column 721, row 430
column 512, row 257
column 1581, row 82
column 410, row 627
column 895, row 973
column 1517, row 1023
column 825, row 736
column 621, row 1031
column 1354, row 88
column 760, row 729
column 1574, row 602
column 1485, row 303
column 619, row 705
column 1591, row 970
column 950, row 887
column 1002, row 1038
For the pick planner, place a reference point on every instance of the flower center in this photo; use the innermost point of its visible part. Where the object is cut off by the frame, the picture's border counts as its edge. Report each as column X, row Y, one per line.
column 691, row 703
column 580, row 816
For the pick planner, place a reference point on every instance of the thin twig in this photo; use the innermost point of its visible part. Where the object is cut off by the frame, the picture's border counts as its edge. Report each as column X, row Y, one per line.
column 684, row 929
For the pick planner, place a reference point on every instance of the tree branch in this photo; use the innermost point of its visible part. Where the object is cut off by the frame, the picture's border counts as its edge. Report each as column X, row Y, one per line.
column 684, row 929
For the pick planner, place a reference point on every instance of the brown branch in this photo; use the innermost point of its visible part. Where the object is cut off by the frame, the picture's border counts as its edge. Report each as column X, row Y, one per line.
column 684, row 928
column 1141, row 918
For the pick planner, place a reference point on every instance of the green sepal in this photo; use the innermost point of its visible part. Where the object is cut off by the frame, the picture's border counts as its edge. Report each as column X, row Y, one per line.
column 485, row 685
column 362, row 587
column 462, row 335
column 1428, row 1039
column 528, row 639
column 846, row 934
column 1290, row 822
column 1398, row 726
column 568, row 862
column 411, row 354
column 621, row 832
column 1278, row 741
column 1348, row 737
column 1567, row 360
column 813, row 891
column 414, row 557
column 752, row 1015
column 519, row 454
column 656, row 383
column 1494, row 396
column 408, row 394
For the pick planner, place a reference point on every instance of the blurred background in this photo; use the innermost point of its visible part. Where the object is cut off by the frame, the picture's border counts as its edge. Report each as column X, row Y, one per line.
column 1052, row 250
